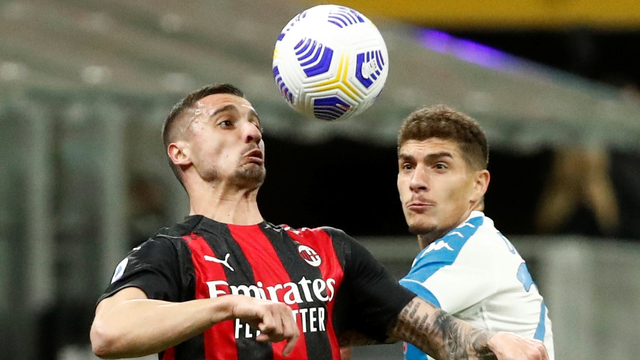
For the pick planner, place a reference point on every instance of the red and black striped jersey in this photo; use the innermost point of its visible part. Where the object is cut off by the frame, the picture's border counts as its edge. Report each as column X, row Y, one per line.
column 330, row 281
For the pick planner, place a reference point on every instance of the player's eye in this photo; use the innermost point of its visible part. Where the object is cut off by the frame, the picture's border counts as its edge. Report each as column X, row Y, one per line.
column 441, row 166
column 225, row 123
column 406, row 166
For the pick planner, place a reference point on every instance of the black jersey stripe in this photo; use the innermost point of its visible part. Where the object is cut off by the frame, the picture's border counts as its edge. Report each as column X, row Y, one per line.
column 191, row 349
column 222, row 243
column 318, row 346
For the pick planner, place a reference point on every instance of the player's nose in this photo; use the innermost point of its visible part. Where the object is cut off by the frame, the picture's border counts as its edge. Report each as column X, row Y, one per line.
column 251, row 132
column 419, row 179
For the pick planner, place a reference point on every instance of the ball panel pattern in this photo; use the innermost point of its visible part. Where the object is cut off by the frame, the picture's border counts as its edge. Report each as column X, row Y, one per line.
column 339, row 82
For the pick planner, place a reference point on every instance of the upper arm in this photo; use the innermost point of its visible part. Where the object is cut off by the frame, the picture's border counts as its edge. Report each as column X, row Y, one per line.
column 160, row 268
column 121, row 296
column 375, row 297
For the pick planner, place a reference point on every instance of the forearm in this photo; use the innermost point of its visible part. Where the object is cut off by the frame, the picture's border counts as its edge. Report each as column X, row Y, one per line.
column 439, row 334
column 140, row 327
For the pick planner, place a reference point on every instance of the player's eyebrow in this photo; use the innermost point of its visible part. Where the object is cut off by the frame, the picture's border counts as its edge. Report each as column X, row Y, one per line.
column 220, row 110
column 405, row 157
column 438, row 155
column 234, row 108
column 428, row 158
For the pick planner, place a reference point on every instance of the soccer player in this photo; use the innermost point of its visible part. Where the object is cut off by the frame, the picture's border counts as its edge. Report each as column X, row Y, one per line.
column 466, row 266
column 226, row 284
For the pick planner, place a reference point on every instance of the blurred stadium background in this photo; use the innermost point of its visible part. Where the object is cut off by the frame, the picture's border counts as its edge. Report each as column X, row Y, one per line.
column 86, row 84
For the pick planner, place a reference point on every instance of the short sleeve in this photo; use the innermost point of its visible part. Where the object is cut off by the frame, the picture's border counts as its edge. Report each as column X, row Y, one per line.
column 375, row 297
column 160, row 267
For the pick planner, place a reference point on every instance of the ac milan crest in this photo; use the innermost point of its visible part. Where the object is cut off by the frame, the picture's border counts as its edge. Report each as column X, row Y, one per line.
column 309, row 255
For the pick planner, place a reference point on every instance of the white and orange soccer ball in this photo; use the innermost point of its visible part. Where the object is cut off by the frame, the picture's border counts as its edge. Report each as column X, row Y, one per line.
column 330, row 62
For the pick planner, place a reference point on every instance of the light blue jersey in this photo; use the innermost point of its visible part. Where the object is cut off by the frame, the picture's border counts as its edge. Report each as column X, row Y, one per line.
column 475, row 274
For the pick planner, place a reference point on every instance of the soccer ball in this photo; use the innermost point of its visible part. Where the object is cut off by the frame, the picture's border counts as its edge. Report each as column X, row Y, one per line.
column 330, row 62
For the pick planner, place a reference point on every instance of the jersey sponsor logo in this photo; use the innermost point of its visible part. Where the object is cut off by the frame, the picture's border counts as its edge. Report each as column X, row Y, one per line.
column 224, row 262
column 438, row 245
column 310, row 319
column 309, row 255
column 119, row 270
column 289, row 293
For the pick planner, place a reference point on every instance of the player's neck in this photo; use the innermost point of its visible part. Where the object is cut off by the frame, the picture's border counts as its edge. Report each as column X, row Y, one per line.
column 427, row 238
column 225, row 204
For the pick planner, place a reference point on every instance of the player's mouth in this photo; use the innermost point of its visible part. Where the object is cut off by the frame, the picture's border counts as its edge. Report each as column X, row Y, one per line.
column 255, row 156
column 420, row 206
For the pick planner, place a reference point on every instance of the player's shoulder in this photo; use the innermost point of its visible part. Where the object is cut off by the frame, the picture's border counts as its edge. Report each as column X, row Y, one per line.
column 467, row 231
column 317, row 233
column 488, row 235
column 178, row 230
column 309, row 231
column 485, row 243
column 172, row 236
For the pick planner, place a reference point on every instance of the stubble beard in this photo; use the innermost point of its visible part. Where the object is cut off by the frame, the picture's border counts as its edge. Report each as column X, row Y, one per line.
column 250, row 177
column 247, row 177
column 427, row 233
column 418, row 229
column 422, row 228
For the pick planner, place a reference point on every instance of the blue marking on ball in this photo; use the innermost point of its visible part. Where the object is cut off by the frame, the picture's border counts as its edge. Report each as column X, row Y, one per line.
column 313, row 57
column 330, row 108
column 343, row 17
column 283, row 87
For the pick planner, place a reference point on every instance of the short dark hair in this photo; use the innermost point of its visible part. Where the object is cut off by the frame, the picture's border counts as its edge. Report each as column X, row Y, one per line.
column 446, row 123
column 169, row 126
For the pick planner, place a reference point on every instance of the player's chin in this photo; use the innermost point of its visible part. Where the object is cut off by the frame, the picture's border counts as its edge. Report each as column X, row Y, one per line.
column 252, row 175
column 421, row 228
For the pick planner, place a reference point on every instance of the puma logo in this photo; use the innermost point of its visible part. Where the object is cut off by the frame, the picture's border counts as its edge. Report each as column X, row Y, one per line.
column 224, row 262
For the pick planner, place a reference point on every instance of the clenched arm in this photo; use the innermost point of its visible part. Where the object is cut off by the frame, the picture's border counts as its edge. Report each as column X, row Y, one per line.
column 130, row 325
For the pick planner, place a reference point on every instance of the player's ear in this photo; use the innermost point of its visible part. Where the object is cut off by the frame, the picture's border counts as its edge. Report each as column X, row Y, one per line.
column 480, row 185
column 179, row 153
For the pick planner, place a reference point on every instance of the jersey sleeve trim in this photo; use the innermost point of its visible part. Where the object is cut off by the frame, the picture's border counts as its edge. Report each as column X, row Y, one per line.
column 113, row 292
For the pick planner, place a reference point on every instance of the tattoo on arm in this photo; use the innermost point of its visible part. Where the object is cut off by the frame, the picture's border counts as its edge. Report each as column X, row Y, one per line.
column 440, row 334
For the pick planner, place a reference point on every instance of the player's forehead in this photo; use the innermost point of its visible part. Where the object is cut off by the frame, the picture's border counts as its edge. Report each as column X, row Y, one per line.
column 430, row 146
column 215, row 103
